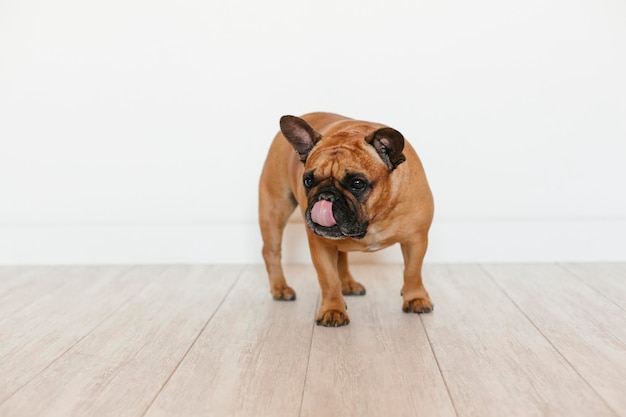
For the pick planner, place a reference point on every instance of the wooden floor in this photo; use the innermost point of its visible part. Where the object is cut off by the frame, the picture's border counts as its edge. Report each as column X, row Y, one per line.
column 503, row 340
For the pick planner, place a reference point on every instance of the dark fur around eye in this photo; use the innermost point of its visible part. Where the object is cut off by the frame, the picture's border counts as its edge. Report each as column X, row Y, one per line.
column 357, row 185
column 308, row 180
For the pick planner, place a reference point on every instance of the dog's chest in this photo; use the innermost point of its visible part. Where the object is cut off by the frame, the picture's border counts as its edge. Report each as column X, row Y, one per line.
column 373, row 247
column 373, row 241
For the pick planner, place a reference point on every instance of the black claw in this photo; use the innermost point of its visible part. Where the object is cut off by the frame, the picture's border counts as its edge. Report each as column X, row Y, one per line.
column 354, row 292
column 285, row 299
column 422, row 311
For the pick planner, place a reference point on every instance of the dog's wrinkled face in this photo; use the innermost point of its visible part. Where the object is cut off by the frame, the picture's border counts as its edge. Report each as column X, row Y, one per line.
column 345, row 175
column 336, row 196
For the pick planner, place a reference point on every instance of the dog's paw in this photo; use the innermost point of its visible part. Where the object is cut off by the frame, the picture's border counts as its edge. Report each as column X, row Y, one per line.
column 418, row 305
column 332, row 318
column 352, row 288
column 283, row 293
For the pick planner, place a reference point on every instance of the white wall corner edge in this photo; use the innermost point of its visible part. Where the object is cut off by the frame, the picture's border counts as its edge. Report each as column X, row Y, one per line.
column 240, row 243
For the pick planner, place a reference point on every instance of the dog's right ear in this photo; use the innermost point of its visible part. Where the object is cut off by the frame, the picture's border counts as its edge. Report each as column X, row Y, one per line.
column 300, row 134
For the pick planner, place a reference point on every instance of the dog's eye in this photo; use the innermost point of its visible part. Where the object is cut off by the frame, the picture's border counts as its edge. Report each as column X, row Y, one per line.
column 308, row 182
column 357, row 184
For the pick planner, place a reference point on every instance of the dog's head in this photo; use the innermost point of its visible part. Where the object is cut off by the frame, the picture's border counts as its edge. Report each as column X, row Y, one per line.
column 347, row 174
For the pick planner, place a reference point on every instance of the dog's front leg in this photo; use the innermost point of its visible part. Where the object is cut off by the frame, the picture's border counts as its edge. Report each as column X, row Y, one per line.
column 332, row 312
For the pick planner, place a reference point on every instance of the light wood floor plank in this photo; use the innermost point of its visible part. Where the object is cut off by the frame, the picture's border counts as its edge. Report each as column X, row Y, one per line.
column 495, row 362
column 582, row 324
column 119, row 368
column 54, row 319
column 16, row 276
column 252, row 357
column 19, row 286
column 381, row 364
column 608, row 279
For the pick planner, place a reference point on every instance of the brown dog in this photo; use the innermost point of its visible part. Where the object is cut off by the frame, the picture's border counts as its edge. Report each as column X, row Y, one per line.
column 360, row 187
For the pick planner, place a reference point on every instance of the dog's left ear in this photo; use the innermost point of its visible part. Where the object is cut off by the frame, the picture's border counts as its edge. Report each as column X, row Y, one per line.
column 300, row 134
column 389, row 144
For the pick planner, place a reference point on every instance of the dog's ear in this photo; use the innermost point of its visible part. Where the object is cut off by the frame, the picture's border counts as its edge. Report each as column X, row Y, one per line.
column 389, row 144
column 300, row 134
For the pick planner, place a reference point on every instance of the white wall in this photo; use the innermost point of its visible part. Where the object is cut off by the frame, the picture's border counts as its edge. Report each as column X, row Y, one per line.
column 135, row 130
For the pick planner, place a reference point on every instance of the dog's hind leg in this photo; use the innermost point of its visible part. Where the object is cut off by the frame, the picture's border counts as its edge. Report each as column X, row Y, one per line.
column 415, row 296
column 275, row 207
column 348, row 285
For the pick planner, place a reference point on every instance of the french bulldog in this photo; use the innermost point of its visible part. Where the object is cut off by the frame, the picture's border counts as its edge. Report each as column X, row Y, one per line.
column 360, row 187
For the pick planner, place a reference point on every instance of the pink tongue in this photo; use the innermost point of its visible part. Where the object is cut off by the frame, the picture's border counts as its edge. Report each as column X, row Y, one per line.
column 322, row 213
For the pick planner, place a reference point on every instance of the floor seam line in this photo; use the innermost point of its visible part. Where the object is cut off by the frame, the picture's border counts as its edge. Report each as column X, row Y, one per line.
column 308, row 362
column 602, row 294
column 443, row 378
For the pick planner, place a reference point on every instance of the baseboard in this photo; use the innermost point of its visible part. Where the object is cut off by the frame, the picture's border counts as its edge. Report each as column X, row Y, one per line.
column 599, row 241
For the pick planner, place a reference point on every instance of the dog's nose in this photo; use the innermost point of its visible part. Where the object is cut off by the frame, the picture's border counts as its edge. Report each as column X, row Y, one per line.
column 326, row 196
